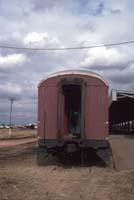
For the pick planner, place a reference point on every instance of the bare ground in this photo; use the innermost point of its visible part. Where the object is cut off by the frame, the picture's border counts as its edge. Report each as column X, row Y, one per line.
column 123, row 151
column 17, row 133
column 21, row 178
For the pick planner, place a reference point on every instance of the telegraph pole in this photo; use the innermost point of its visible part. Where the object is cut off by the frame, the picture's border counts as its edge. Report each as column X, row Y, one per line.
column 11, row 109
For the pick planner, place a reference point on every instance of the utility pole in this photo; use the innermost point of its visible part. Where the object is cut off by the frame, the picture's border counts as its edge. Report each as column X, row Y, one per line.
column 11, row 109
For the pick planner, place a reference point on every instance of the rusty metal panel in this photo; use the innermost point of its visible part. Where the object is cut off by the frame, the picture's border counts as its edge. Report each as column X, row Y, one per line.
column 48, row 112
column 96, row 119
column 96, row 107
column 41, row 106
column 64, row 121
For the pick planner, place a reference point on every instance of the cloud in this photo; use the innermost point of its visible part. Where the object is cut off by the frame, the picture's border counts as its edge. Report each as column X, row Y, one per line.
column 125, row 76
column 46, row 4
column 48, row 24
column 35, row 37
column 106, row 58
column 10, row 90
column 41, row 39
column 12, row 60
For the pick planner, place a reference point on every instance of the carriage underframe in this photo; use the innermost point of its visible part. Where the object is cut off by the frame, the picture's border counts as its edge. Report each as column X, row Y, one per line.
column 66, row 148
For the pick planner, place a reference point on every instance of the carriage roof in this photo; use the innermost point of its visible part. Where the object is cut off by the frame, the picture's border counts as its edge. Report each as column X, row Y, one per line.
column 79, row 72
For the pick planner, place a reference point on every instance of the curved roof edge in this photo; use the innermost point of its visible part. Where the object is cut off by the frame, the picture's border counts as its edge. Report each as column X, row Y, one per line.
column 80, row 72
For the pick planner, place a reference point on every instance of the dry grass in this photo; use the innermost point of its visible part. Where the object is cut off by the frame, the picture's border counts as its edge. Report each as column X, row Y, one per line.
column 21, row 178
column 17, row 133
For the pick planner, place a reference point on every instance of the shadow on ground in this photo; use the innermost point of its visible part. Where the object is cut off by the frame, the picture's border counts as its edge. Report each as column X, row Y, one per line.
column 91, row 159
column 130, row 136
column 25, row 152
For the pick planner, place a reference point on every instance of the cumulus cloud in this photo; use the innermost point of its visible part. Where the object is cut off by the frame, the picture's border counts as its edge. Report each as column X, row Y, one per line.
column 106, row 58
column 12, row 60
column 40, row 39
column 35, row 37
column 48, row 24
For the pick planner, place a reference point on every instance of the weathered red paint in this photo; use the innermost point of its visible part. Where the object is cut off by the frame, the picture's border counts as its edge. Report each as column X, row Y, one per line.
column 96, row 107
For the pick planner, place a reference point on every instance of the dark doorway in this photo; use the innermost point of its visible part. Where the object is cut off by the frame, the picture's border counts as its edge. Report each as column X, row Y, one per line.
column 72, row 108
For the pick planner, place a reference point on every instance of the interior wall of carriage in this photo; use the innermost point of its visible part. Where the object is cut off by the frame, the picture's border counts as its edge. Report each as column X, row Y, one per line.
column 71, row 109
column 96, row 108
column 121, row 113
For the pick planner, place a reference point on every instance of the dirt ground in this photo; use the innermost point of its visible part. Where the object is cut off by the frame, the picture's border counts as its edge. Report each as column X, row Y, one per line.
column 21, row 178
column 14, row 142
column 123, row 151
column 17, row 133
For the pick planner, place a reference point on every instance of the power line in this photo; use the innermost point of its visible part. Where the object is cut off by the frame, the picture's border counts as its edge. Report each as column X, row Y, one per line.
column 66, row 48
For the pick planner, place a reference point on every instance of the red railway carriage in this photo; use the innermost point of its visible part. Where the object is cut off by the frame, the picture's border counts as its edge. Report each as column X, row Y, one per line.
column 72, row 112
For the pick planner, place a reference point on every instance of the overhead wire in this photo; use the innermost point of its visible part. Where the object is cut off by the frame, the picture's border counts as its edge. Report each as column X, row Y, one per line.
column 66, row 48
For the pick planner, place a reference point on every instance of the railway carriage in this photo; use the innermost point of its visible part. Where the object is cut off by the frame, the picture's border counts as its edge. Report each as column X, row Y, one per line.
column 72, row 113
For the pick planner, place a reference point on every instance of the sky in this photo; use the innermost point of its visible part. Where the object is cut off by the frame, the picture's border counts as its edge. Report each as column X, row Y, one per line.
column 61, row 23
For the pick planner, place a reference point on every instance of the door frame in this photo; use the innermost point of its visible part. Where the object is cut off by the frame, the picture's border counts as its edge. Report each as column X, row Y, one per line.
column 70, row 81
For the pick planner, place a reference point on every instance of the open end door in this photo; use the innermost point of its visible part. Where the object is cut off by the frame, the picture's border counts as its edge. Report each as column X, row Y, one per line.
column 71, row 106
